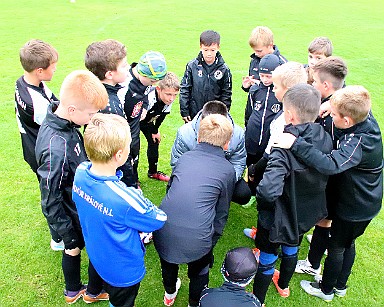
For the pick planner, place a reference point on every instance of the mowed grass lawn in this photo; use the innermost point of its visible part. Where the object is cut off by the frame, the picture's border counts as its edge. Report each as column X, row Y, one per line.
column 30, row 273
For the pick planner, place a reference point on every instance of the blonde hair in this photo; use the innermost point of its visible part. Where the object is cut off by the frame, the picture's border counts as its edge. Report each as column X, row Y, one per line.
column 84, row 86
column 105, row 135
column 321, row 45
column 215, row 129
column 37, row 54
column 290, row 74
column 261, row 36
column 170, row 81
column 353, row 101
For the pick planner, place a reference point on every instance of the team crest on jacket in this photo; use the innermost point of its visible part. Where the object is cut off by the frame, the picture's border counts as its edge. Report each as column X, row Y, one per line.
column 275, row 108
column 218, row 74
column 200, row 73
column 136, row 109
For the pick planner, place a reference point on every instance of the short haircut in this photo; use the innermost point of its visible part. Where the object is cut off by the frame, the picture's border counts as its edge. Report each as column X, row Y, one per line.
column 85, row 86
column 261, row 36
column 209, row 37
column 215, row 129
column 214, row 107
column 321, row 45
column 37, row 54
column 353, row 101
column 104, row 56
column 290, row 74
column 105, row 135
column 332, row 69
column 170, row 81
column 305, row 100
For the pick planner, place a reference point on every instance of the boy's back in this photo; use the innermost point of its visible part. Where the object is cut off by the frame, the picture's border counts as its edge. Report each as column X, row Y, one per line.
column 191, row 202
column 299, row 200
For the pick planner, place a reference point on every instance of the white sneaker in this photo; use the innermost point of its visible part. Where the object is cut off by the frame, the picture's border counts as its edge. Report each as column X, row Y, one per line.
column 305, row 267
column 169, row 299
column 313, row 288
column 146, row 237
column 57, row 246
column 340, row 293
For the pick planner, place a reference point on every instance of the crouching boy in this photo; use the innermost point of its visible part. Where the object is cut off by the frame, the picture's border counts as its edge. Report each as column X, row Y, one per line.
column 197, row 205
column 112, row 214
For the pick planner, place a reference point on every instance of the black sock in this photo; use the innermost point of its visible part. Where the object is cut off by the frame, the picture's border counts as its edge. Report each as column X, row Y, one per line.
column 287, row 268
column 71, row 270
column 318, row 245
column 260, row 285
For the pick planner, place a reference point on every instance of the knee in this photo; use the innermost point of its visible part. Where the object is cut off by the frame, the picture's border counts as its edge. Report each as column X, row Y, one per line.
column 267, row 263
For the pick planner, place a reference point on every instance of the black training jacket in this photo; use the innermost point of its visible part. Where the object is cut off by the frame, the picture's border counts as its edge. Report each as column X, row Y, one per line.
column 291, row 196
column 202, row 83
column 358, row 163
column 59, row 150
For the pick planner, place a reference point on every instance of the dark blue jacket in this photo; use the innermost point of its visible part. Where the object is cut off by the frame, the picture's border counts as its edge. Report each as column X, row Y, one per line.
column 264, row 106
column 228, row 295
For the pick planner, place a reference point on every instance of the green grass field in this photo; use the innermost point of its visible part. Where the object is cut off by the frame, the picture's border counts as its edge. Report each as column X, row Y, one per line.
column 30, row 273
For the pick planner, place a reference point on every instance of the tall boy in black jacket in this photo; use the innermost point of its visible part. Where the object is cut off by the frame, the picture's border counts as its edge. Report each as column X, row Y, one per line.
column 206, row 78
column 357, row 163
column 291, row 195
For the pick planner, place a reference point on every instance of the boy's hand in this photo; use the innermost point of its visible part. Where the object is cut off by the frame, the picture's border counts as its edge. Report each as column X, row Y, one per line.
column 325, row 109
column 285, row 141
column 143, row 114
column 156, row 138
column 248, row 81
column 186, row 119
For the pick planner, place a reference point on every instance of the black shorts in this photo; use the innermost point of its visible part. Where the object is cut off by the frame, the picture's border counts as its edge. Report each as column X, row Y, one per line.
column 122, row 296
column 344, row 233
column 262, row 241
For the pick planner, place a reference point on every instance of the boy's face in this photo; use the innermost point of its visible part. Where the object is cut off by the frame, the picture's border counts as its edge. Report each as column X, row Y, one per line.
column 209, row 52
column 167, row 95
column 313, row 58
column 266, row 79
column 81, row 115
column 317, row 84
column 261, row 50
column 337, row 118
column 278, row 89
column 147, row 81
column 46, row 74
column 120, row 74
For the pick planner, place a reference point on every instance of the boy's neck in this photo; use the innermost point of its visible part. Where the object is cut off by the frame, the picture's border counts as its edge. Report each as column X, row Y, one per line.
column 103, row 169
column 31, row 78
column 109, row 82
column 62, row 112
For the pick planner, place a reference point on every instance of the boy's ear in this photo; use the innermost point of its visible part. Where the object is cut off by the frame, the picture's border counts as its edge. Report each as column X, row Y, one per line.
column 71, row 109
column 327, row 85
column 108, row 75
column 348, row 121
column 226, row 146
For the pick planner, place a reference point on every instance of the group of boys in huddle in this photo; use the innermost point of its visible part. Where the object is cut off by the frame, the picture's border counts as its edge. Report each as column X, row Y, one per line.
column 311, row 146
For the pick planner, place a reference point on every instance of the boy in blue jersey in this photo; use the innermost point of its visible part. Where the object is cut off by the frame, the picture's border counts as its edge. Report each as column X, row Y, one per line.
column 112, row 214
